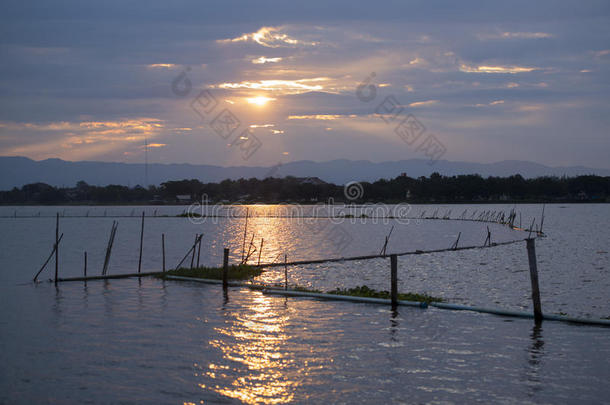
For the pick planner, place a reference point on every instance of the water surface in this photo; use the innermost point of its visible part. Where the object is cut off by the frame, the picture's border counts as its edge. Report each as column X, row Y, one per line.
column 154, row 341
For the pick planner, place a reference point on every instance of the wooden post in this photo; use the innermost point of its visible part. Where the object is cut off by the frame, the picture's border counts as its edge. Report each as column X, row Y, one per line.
column 163, row 249
column 199, row 250
column 394, row 279
column 56, row 246
column 225, row 268
column 285, row 272
column 141, row 243
column 85, row 271
column 531, row 255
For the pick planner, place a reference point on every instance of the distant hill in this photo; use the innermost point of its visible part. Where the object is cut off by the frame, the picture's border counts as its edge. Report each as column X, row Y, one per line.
column 17, row 171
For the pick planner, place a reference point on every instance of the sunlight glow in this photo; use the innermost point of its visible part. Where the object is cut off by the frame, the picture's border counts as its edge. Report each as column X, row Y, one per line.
column 260, row 100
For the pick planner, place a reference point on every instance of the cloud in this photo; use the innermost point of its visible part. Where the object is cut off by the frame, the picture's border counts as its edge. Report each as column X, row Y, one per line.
column 526, row 35
column 423, row 103
column 496, row 102
column 516, row 35
column 161, row 65
column 81, row 139
column 262, row 60
column 496, row 69
column 285, row 86
column 605, row 52
column 270, row 37
column 531, row 107
column 310, row 56
column 322, row 117
column 262, row 125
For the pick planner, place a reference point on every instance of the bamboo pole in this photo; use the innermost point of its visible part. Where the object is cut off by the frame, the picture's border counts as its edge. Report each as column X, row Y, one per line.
column 112, row 276
column 531, row 256
column 141, row 244
column 109, row 247
column 488, row 238
column 194, row 249
column 243, row 250
column 85, row 270
column 529, row 235
column 187, row 254
column 251, row 249
column 519, row 219
column 260, row 252
column 455, row 245
column 49, row 258
column 385, row 244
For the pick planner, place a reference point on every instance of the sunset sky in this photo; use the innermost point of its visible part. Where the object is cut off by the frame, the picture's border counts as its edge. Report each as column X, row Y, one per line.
column 492, row 81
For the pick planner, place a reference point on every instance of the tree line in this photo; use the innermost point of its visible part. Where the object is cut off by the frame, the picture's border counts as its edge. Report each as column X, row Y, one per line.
column 435, row 188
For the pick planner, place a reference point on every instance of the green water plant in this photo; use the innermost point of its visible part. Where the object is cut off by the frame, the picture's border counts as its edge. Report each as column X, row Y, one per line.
column 364, row 291
column 235, row 272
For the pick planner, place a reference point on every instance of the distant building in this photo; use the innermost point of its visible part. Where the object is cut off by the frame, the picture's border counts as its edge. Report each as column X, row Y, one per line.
column 183, row 198
column 311, row 180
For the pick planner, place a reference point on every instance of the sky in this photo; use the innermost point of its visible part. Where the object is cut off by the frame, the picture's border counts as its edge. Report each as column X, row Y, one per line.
column 261, row 83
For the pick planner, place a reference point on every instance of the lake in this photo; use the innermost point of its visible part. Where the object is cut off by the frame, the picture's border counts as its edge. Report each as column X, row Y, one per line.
column 155, row 341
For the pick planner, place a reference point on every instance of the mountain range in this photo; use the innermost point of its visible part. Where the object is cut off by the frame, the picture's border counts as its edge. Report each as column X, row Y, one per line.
column 17, row 171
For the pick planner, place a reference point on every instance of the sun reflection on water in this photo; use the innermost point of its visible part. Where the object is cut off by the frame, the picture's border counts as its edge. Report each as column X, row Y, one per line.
column 251, row 344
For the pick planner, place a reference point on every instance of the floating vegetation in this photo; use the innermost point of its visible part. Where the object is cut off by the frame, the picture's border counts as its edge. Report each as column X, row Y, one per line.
column 304, row 289
column 364, row 291
column 348, row 216
column 236, row 272
column 190, row 215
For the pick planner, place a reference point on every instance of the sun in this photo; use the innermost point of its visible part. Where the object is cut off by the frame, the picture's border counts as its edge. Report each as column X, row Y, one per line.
column 260, row 100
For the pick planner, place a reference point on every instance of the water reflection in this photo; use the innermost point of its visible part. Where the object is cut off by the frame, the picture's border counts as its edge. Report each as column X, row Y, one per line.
column 251, row 342
column 394, row 324
column 535, row 355
column 273, row 243
column 536, row 351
